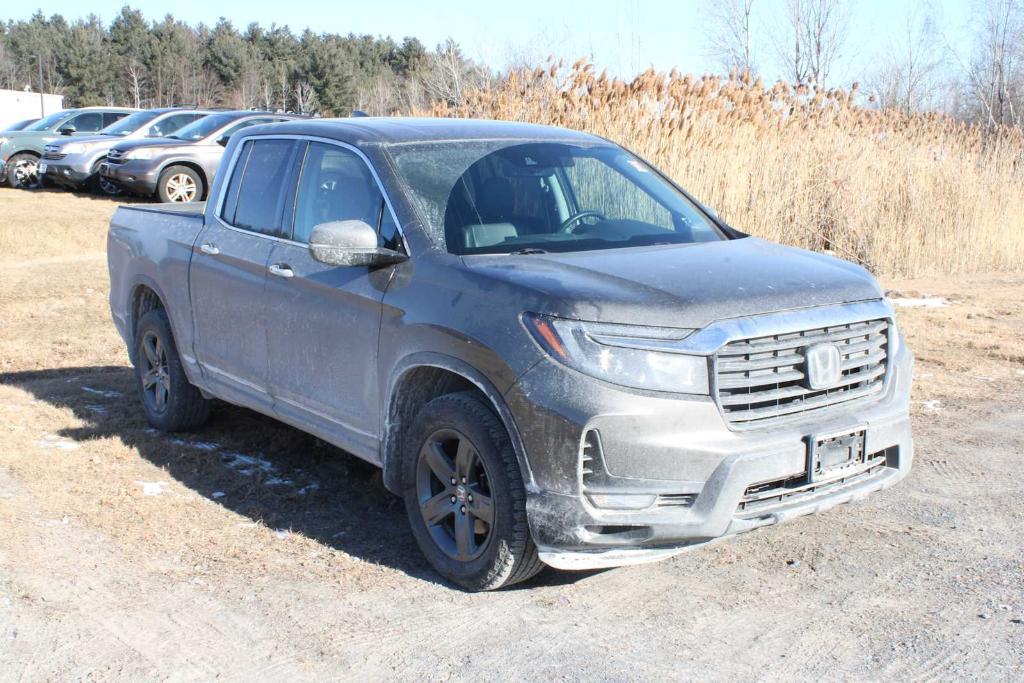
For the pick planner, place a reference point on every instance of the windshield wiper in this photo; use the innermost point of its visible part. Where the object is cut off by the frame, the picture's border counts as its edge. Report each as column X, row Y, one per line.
column 528, row 251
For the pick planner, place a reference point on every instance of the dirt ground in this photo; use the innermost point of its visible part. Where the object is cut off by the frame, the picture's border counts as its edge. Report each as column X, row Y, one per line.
column 250, row 551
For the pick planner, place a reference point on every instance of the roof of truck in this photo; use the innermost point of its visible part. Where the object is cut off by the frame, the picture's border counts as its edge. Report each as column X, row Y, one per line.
column 395, row 130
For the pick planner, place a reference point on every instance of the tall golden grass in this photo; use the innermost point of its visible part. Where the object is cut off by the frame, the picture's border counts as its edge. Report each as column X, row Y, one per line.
column 904, row 195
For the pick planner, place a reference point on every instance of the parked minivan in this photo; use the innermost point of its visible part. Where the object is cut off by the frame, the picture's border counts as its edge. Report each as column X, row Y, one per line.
column 20, row 151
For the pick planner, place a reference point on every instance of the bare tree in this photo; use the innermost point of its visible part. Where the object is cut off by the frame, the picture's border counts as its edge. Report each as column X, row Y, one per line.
column 305, row 97
column 449, row 75
column 136, row 82
column 994, row 75
column 729, row 39
column 908, row 73
column 813, row 37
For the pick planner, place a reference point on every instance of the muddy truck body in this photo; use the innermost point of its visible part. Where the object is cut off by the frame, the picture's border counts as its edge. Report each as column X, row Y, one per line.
column 556, row 355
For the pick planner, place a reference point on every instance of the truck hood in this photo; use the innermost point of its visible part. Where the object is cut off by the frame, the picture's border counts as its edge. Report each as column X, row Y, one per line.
column 687, row 286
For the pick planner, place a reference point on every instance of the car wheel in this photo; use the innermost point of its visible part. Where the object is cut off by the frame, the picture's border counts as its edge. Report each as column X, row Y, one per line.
column 104, row 186
column 23, row 171
column 180, row 184
column 464, row 495
column 170, row 402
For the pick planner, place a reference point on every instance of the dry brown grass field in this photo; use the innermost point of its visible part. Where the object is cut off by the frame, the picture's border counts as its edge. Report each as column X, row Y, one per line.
column 249, row 551
column 903, row 195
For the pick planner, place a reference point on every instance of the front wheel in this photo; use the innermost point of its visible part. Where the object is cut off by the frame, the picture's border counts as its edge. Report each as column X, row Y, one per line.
column 23, row 172
column 102, row 185
column 464, row 495
column 180, row 184
column 170, row 401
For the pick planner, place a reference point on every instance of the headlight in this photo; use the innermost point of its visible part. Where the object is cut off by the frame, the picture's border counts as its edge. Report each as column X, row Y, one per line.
column 75, row 148
column 627, row 355
column 141, row 154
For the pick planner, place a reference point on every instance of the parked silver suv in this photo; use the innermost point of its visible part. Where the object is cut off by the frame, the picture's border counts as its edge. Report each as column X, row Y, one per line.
column 179, row 167
column 74, row 164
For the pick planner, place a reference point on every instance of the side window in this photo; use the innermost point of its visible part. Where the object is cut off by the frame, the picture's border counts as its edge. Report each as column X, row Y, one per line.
column 261, row 190
column 112, row 117
column 227, row 213
column 226, row 135
column 336, row 185
column 89, row 122
column 170, row 124
column 389, row 235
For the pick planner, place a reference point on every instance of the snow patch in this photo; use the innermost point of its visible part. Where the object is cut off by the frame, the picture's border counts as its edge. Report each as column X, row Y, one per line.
column 55, row 442
column 105, row 393
column 282, row 533
column 97, row 409
column 152, row 488
column 933, row 405
column 218, row 494
column 920, row 302
column 198, row 445
column 278, row 481
column 246, row 464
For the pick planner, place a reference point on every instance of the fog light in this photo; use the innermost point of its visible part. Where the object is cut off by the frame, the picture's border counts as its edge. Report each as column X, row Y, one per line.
column 622, row 501
column 67, row 171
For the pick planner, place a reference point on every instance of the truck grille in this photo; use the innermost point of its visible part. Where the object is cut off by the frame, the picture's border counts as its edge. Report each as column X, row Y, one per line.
column 115, row 156
column 764, row 379
column 53, row 153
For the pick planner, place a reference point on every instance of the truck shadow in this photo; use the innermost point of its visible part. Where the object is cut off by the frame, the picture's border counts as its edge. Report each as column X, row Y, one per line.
column 251, row 464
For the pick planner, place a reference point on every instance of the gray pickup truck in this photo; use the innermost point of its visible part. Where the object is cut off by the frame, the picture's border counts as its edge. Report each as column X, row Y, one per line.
column 556, row 355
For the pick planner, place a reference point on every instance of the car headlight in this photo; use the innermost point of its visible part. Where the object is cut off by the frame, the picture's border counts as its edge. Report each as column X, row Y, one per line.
column 74, row 148
column 628, row 355
column 140, row 154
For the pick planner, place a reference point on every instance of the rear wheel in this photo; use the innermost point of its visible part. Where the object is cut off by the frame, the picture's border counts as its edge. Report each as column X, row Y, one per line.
column 23, row 171
column 180, row 184
column 170, row 402
column 464, row 495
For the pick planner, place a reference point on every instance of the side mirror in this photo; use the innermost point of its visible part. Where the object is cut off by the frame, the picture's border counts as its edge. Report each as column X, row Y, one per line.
column 67, row 129
column 350, row 243
column 224, row 140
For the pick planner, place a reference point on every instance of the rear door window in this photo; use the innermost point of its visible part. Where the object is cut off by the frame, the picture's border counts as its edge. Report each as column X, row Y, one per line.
column 112, row 117
column 89, row 122
column 258, row 186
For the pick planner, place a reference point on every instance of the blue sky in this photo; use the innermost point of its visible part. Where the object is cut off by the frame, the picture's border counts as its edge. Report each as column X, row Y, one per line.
column 625, row 36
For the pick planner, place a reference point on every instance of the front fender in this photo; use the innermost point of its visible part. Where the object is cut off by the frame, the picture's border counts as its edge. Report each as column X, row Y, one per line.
column 390, row 453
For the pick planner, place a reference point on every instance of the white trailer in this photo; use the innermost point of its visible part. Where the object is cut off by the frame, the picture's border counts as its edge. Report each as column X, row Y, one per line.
column 18, row 105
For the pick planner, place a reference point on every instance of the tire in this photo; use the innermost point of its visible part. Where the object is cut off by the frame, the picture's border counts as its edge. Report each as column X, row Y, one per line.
column 472, row 440
column 17, row 177
column 103, row 186
column 170, row 402
column 180, row 184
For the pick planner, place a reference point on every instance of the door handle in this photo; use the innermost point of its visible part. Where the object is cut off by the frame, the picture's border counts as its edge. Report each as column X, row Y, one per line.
column 281, row 270
column 210, row 248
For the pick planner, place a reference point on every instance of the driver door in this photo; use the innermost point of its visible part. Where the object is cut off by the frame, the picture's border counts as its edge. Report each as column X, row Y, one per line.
column 323, row 321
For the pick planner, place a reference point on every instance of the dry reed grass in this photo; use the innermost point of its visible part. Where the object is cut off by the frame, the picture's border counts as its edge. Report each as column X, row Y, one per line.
column 905, row 195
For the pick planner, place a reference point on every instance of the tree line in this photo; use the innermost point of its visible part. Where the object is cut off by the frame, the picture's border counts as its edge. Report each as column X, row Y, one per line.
column 143, row 63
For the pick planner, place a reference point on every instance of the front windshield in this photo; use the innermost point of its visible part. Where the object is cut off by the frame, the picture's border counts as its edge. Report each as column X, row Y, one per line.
column 500, row 197
column 50, row 121
column 130, row 123
column 202, row 128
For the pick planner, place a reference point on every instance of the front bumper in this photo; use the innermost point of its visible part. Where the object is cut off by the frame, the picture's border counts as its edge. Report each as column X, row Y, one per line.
column 72, row 176
column 707, row 481
column 137, row 176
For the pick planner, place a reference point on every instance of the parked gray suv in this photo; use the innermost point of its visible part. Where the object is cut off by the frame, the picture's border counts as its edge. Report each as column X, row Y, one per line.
column 74, row 164
column 21, row 150
column 179, row 167
column 556, row 355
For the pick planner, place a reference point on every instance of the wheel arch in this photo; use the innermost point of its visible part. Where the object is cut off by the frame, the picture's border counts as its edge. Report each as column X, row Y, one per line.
column 191, row 165
column 421, row 378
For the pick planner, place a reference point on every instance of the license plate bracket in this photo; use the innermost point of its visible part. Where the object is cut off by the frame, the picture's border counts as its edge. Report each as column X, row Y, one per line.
column 834, row 454
column 42, row 168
